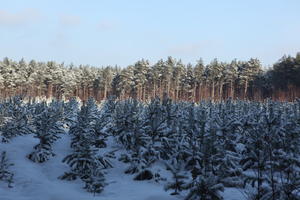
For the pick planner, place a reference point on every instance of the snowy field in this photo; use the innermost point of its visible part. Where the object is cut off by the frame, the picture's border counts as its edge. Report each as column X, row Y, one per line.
column 35, row 181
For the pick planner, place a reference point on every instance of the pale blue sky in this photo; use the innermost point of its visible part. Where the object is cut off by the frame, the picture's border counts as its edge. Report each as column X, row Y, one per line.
column 109, row 32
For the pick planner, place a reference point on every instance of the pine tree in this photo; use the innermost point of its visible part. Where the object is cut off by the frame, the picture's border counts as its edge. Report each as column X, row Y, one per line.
column 254, row 157
column 141, row 69
column 283, row 149
column 192, row 132
column 84, row 160
column 71, row 109
column 125, row 117
column 104, row 122
column 16, row 119
column 205, row 187
column 199, row 79
column 154, row 122
column 5, row 174
column 92, row 110
column 129, row 131
column 95, row 182
column 179, row 178
column 48, row 127
column 231, row 76
column 226, row 157
column 137, row 143
column 177, row 78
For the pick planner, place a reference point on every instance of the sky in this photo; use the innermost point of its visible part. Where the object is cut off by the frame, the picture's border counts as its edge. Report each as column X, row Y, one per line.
column 121, row 32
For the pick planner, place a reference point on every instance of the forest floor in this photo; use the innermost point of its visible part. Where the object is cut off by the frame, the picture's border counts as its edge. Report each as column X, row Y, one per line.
column 35, row 181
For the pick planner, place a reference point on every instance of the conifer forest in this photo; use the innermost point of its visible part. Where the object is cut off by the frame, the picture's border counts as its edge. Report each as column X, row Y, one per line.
column 247, row 80
column 150, row 100
column 188, row 150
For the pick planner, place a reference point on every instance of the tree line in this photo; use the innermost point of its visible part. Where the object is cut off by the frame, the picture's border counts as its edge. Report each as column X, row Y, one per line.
column 144, row 81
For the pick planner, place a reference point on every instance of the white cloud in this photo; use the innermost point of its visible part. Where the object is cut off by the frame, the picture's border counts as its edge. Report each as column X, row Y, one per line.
column 20, row 18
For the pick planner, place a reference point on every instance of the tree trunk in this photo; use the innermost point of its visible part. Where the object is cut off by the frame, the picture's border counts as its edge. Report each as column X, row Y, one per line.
column 154, row 89
column 194, row 93
column 213, row 91
column 199, row 91
column 105, row 91
column 245, row 89
column 221, row 91
column 49, row 90
column 231, row 90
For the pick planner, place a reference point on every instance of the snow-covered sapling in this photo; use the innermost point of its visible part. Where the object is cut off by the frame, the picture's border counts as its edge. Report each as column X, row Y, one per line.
column 5, row 174
column 179, row 178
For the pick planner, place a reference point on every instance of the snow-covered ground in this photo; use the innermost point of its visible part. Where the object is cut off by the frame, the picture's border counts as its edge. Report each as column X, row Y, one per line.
column 34, row 181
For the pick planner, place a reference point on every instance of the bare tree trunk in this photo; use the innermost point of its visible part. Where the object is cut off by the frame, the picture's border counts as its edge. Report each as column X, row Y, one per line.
column 177, row 93
column 105, row 91
column 160, row 90
column 194, row 93
column 221, row 91
column 231, row 90
column 143, row 93
column 245, row 89
column 199, row 91
column 154, row 89
column 49, row 90
column 168, row 88
column 213, row 91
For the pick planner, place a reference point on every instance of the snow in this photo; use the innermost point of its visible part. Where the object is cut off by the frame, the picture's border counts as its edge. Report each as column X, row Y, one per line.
column 233, row 194
column 35, row 181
